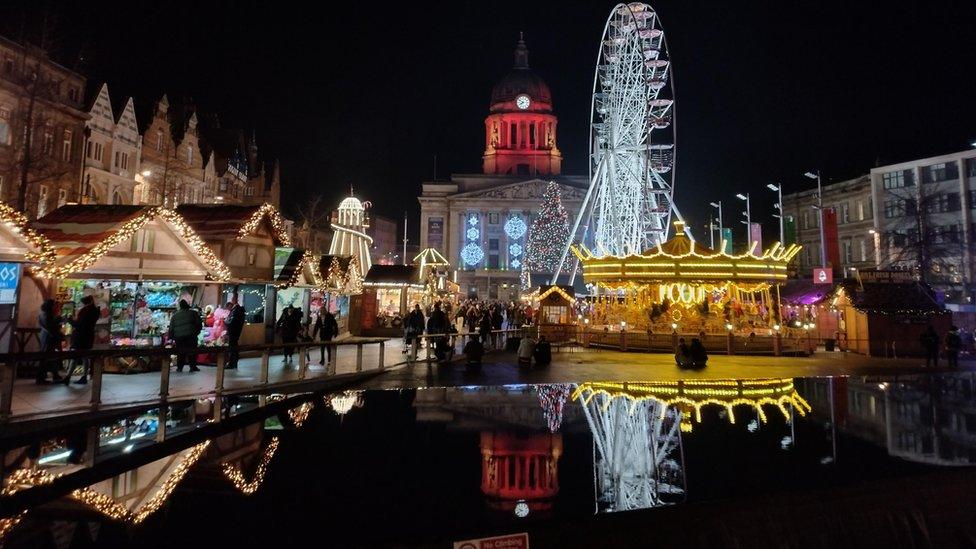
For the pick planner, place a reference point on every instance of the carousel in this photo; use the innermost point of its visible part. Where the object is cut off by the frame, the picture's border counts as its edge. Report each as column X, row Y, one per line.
column 683, row 286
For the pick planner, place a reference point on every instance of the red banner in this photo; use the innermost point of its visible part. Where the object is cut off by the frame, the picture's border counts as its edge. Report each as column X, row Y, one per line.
column 369, row 309
column 830, row 237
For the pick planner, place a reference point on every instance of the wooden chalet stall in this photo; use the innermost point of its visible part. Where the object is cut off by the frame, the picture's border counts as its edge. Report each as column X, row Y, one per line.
column 556, row 314
column 245, row 239
column 886, row 312
column 309, row 282
column 20, row 291
column 389, row 292
column 137, row 262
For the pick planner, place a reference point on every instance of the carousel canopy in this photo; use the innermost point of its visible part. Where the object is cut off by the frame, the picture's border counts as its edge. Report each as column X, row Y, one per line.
column 684, row 260
column 690, row 396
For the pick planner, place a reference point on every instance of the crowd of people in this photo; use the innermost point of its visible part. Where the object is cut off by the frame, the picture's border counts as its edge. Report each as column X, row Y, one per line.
column 956, row 341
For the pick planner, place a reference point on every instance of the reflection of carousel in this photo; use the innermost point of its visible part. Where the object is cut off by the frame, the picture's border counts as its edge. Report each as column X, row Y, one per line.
column 684, row 283
column 691, row 396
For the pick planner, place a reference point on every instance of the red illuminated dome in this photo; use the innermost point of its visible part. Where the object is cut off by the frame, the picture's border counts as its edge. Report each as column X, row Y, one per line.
column 520, row 131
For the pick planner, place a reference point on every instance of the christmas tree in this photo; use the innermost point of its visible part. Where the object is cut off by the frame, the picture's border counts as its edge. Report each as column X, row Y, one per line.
column 549, row 234
column 552, row 398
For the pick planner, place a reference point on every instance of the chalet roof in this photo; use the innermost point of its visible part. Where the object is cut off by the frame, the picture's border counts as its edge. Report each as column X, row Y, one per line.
column 914, row 297
column 75, row 229
column 392, row 274
column 227, row 221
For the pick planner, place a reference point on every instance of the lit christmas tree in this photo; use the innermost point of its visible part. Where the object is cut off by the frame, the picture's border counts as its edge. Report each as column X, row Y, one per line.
column 549, row 234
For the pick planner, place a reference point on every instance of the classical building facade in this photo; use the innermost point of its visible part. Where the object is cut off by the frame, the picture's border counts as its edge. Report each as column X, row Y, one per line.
column 113, row 148
column 489, row 213
column 42, row 125
column 852, row 203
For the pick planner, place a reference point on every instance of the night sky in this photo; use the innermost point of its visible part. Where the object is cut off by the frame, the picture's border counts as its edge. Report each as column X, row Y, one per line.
column 367, row 93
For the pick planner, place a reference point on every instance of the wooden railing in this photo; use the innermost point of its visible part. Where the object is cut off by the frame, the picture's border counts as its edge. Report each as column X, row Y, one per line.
column 10, row 362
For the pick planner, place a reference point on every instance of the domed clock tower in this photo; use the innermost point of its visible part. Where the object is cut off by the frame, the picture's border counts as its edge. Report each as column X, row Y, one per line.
column 520, row 131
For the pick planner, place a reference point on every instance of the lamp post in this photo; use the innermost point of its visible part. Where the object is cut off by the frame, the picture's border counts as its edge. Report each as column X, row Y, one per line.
column 819, row 208
column 748, row 221
column 778, row 189
column 718, row 205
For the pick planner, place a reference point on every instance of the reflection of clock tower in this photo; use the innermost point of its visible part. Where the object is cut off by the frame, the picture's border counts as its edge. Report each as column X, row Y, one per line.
column 520, row 131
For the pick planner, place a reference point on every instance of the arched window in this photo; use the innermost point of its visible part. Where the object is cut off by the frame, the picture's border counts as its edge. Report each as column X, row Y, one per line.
column 116, row 197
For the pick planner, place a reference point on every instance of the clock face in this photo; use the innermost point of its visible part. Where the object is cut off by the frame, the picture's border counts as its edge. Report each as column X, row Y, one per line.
column 522, row 102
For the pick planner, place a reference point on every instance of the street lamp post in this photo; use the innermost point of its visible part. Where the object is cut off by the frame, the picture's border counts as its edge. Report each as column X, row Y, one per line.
column 778, row 189
column 718, row 205
column 819, row 208
column 748, row 221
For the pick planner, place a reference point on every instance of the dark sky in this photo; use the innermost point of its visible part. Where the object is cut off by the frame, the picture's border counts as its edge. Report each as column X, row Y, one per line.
column 367, row 93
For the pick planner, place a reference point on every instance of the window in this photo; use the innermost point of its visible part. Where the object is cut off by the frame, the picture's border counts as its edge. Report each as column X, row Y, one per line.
column 899, row 179
column 116, row 197
column 1, row 187
column 49, row 141
column 125, row 161
column 940, row 172
column 189, row 154
column 863, row 244
column 971, row 167
column 8, row 65
column 513, row 137
column 493, row 218
column 898, row 207
column 42, row 201
column 4, row 126
column 159, row 140
column 848, row 253
column 98, row 152
column 942, row 203
column 117, row 155
column 73, row 94
column 62, row 197
column 144, row 240
column 806, row 220
column 860, row 210
column 493, row 244
column 249, row 190
column 88, row 149
column 845, row 213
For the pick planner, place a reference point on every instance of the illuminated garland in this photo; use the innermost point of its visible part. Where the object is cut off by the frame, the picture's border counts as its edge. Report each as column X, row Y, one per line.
column 96, row 500
column 51, row 269
column 550, row 232
column 556, row 290
column 277, row 224
column 307, row 259
column 299, row 414
column 236, row 475
column 18, row 224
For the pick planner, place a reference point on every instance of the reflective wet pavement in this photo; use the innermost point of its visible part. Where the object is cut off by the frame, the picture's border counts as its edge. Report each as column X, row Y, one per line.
column 431, row 465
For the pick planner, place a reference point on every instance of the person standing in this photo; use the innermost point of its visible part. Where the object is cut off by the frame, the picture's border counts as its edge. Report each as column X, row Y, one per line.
column 51, row 337
column 184, row 328
column 437, row 326
column 83, row 336
column 234, row 325
column 326, row 328
column 496, row 324
column 953, row 343
column 543, row 352
column 930, row 342
column 525, row 351
column 288, row 326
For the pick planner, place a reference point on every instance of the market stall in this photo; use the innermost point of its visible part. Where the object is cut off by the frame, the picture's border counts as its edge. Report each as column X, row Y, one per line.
column 20, row 247
column 137, row 262
column 245, row 238
column 389, row 291
column 684, row 286
column 309, row 282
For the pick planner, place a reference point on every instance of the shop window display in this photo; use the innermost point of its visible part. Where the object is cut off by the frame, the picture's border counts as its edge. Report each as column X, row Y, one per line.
column 252, row 298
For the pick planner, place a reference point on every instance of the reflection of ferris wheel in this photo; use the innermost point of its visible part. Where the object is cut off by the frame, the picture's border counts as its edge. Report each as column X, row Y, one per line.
column 632, row 138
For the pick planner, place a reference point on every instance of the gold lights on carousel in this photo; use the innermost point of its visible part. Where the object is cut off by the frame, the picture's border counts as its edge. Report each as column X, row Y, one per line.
column 691, row 396
column 274, row 216
column 234, row 473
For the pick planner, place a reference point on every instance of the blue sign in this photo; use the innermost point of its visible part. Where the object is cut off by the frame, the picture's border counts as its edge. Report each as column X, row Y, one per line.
column 9, row 280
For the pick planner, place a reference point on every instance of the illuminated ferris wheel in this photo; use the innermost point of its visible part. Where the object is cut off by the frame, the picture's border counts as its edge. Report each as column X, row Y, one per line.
column 632, row 138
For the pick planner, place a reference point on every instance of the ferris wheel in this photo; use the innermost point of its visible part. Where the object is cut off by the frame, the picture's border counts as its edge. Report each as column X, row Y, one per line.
column 628, row 206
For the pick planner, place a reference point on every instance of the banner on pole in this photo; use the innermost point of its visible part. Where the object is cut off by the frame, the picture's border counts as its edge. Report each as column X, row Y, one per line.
column 727, row 239
column 755, row 235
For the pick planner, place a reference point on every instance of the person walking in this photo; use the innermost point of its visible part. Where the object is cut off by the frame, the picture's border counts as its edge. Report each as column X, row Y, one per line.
column 184, row 329
column 326, row 328
column 288, row 327
column 953, row 343
column 234, row 324
column 83, row 336
column 930, row 342
column 437, row 326
column 51, row 337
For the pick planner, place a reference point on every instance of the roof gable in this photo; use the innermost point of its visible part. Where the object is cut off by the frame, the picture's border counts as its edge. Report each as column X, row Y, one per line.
column 229, row 222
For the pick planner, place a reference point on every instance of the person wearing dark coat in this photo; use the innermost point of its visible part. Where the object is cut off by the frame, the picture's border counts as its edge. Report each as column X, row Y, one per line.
column 699, row 357
column 953, row 342
column 930, row 342
column 484, row 327
column 51, row 337
column 83, row 336
column 326, row 328
column 543, row 352
column 288, row 326
column 184, row 329
column 234, row 325
column 473, row 351
column 496, row 324
column 437, row 325
column 413, row 327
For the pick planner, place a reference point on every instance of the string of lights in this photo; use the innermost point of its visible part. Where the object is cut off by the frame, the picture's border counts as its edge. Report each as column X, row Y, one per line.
column 234, row 473
column 549, row 234
column 277, row 224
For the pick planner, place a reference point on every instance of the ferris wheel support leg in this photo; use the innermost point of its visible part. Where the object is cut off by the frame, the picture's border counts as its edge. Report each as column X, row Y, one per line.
column 576, row 224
